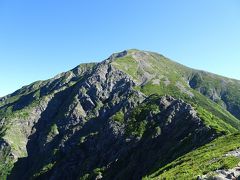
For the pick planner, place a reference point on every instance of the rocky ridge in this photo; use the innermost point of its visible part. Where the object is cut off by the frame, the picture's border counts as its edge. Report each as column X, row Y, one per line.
column 86, row 122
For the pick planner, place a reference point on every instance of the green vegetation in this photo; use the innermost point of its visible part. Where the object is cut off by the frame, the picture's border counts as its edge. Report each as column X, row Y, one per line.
column 223, row 91
column 44, row 170
column 54, row 130
column 119, row 117
column 136, row 128
column 9, row 100
column 128, row 64
column 6, row 163
column 136, row 124
column 95, row 174
column 15, row 110
column 197, row 100
column 163, row 89
column 214, row 122
column 17, row 140
column 5, row 168
column 203, row 160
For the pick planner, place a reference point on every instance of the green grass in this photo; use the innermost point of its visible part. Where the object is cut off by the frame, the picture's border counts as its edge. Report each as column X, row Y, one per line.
column 17, row 140
column 54, row 130
column 128, row 65
column 203, row 160
column 214, row 122
column 119, row 117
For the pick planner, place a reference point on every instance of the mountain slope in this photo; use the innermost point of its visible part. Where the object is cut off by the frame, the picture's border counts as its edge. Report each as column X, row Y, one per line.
column 203, row 160
column 153, row 73
column 86, row 122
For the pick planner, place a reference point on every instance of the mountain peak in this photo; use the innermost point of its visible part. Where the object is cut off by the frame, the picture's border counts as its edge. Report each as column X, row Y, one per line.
column 128, row 52
column 135, row 105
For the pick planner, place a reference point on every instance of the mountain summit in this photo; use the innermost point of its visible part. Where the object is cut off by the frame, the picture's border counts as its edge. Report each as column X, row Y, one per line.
column 135, row 115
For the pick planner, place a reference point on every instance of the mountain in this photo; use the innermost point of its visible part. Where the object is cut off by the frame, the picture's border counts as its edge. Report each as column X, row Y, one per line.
column 135, row 115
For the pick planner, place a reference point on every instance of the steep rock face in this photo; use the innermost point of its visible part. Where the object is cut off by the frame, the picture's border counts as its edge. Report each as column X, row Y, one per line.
column 102, row 152
column 21, row 111
column 76, row 112
column 172, row 129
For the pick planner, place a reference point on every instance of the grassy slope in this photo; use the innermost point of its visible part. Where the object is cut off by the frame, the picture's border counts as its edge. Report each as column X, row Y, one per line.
column 201, row 161
column 224, row 91
column 165, row 78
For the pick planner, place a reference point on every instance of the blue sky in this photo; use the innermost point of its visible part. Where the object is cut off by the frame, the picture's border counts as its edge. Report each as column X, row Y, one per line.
column 39, row 39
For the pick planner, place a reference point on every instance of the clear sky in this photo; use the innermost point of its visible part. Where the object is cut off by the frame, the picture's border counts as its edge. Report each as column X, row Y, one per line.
column 41, row 38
